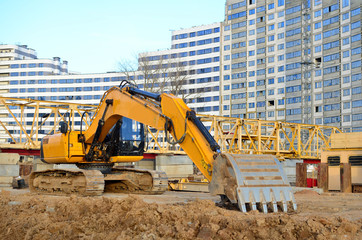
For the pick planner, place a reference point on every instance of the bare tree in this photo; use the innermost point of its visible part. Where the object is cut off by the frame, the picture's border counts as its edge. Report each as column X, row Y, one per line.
column 158, row 75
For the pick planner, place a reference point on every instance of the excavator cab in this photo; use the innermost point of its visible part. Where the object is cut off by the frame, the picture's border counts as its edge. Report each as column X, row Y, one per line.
column 126, row 138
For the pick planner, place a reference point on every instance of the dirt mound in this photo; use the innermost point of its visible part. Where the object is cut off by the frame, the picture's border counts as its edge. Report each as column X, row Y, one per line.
column 39, row 217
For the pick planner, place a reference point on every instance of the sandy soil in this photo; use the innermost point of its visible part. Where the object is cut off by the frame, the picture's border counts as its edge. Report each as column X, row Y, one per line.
column 173, row 215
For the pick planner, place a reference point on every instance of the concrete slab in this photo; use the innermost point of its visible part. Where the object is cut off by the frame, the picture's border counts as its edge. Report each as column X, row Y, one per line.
column 298, row 189
column 6, row 181
column 7, row 170
column 173, row 160
column 9, row 158
column 42, row 166
column 175, row 166
column 177, row 171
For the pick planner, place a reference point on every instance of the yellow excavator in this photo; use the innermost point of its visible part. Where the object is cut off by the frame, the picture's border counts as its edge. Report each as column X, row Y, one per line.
column 116, row 135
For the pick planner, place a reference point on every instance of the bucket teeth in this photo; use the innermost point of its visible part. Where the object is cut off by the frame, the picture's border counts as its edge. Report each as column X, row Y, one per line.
column 260, row 181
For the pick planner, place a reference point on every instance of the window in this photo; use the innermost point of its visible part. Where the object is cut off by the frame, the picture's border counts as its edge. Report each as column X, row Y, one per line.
column 345, row 28
column 345, row 16
column 280, row 90
column 346, row 105
column 346, row 79
column 356, row 25
column 345, row 41
column 345, row 3
column 355, row 51
column 281, row 25
column 317, row 37
column 346, row 54
column 317, row 13
column 355, row 12
column 356, row 77
column 356, row 64
column 356, row 38
column 317, row 25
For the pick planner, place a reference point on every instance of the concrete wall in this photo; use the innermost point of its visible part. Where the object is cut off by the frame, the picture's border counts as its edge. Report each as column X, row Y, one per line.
column 289, row 167
column 175, row 166
column 9, row 168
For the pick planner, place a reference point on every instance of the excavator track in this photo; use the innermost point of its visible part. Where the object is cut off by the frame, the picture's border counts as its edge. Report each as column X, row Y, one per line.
column 136, row 181
column 93, row 183
column 67, row 182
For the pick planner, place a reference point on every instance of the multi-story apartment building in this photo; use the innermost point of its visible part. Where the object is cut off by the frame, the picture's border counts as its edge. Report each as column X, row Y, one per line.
column 272, row 59
column 283, row 60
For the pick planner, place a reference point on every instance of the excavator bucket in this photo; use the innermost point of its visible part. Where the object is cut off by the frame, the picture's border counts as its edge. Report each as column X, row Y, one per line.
column 252, row 181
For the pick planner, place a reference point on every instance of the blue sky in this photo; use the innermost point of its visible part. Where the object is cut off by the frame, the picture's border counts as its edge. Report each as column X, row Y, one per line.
column 95, row 35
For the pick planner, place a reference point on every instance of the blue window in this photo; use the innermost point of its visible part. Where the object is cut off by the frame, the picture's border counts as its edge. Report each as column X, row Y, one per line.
column 271, row 6
column 14, row 74
column 271, row 38
column 280, row 3
column 32, row 65
column 281, row 25
column 14, row 66
column 356, row 25
column 13, row 90
column 260, row 9
column 356, row 77
column 318, row 13
column 23, row 65
column 345, row 3
column 330, row 33
column 355, row 51
column 356, row 64
column 355, row 12
column 252, row 11
column 356, row 38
